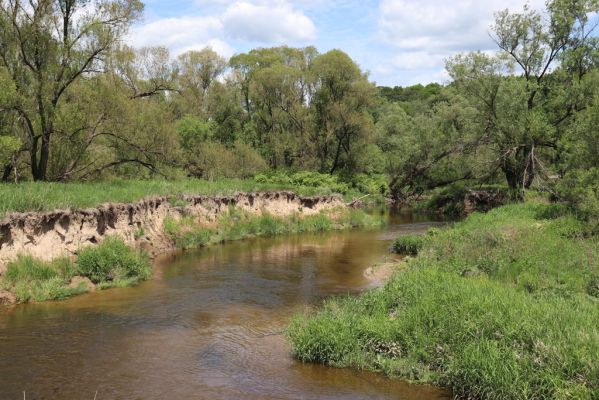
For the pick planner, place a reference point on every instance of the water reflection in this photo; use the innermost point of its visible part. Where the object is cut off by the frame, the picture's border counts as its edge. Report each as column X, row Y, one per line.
column 208, row 327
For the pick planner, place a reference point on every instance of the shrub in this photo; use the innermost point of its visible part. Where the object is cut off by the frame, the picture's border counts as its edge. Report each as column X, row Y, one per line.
column 408, row 245
column 36, row 280
column 304, row 179
column 112, row 260
column 580, row 190
column 213, row 160
column 373, row 184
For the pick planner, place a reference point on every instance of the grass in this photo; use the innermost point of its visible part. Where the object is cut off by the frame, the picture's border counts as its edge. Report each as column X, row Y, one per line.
column 48, row 196
column 409, row 244
column 32, row 279
column 235, row 224
column 113, row 261
column 502, row 305
column 111, row 264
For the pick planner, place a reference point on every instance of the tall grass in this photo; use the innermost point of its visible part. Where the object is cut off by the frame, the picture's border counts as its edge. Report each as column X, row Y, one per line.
column 113, row 261
column 32, row 279
column 111, row 264
column 235, row 224
column 47, row 196
column 496, row 307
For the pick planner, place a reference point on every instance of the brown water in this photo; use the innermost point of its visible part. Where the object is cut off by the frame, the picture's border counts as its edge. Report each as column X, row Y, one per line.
column 207, row 327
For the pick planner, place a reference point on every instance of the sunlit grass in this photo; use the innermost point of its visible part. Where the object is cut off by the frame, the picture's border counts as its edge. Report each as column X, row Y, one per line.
column 47, row 196
column 111, row 264
column 236, row 224
column 502, row 305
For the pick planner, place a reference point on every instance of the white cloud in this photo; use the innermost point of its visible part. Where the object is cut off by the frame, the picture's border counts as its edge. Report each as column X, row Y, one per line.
column 423, row 33
column 274, row 23
column 260, row 22
column 442, row 24
column 180, row 34
column 411, row 60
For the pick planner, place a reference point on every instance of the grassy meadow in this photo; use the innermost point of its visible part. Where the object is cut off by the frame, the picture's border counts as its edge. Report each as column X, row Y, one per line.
column 502, row 305
column 47, row 196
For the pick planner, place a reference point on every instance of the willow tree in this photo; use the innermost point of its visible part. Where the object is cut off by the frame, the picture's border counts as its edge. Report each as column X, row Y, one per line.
column 47, row 46
column 277, row 88
column 198, row 71
column 341, row 101
column 529, row 93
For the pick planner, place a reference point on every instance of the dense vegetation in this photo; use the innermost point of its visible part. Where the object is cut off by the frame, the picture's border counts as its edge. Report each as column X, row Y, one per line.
column 47, row 196
column 111, row 264
column 76, row 104
column 502, row 305
column 236, row 224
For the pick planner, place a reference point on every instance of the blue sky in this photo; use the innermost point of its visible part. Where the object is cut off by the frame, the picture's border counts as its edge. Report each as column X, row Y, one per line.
column 400, row 42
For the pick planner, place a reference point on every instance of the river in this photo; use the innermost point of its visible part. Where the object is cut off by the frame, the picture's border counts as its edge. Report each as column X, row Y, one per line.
column 208, row 326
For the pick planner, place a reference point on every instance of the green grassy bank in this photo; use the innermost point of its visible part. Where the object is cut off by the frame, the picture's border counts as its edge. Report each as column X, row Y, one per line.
column 236, row 224
column 502, row 305
column 47, row 196
column 111, row 264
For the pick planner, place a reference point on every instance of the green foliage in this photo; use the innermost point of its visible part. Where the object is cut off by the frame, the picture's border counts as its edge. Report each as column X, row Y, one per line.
column 8, row 148
column 194, row 131
column 236, row 224
column 409, row 244
column 111, row 261
column 35, row 280
column 327, row 182
column 48, row 196
column 580, row 190
column 523, row 326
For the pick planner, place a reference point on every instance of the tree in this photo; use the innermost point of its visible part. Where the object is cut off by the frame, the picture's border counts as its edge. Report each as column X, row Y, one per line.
column 198, row 70
column 341, row 101
column 47, row 46
column 429, row 150
column 526, row 94
column 277, row 89
column 117, row 120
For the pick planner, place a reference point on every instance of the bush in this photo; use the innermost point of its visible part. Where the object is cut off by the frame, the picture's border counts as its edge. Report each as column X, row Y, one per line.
column 580, row 190
column 305, row 179
column 409, row 245
column 111, row 261
column 372, row 184
column 451, row 200
column 36, row 280
column 213, row 160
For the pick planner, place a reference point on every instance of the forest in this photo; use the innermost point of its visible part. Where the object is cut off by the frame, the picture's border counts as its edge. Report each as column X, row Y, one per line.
column 78, row 104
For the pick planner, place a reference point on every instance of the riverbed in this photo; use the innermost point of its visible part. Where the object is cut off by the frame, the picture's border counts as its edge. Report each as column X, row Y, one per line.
column 210, row 325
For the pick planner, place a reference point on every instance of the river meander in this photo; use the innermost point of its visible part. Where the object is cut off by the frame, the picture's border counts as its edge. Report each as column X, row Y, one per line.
column 208, row 326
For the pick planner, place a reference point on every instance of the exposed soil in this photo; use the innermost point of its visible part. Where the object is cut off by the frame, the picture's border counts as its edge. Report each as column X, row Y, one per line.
column 382, row 272
column 54, row 234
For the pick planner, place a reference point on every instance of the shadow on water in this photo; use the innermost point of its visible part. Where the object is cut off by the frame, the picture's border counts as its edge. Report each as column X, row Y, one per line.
column 209, row 326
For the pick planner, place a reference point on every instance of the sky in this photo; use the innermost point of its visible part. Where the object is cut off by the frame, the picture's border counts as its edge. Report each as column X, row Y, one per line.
column 399, row 42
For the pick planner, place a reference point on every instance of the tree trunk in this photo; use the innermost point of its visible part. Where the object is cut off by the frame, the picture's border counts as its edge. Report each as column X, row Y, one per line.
column 519, row 172
column 6, row 173
column 39, row 169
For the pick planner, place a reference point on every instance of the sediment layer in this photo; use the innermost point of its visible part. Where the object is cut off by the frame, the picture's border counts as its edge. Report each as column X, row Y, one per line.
column 49, row 235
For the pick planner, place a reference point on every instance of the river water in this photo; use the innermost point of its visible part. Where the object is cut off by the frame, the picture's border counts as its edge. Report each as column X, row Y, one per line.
column 208, row 326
